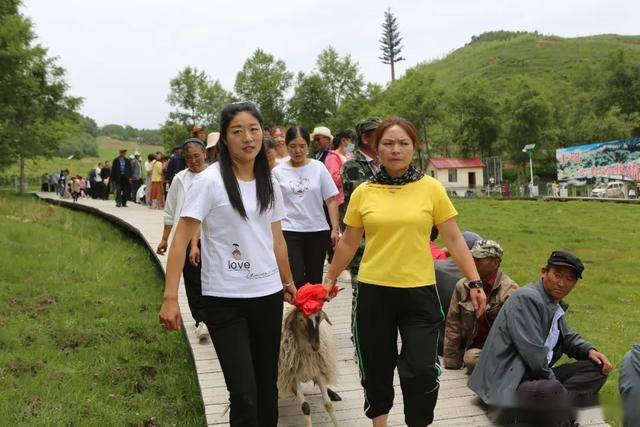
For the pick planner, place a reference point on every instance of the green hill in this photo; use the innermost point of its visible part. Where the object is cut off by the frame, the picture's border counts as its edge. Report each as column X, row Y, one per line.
column 107, row 148
column 548, row 61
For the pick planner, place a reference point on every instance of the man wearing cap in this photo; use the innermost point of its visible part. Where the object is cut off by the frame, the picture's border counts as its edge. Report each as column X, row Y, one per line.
column 360, row 168
column 212, row 147
column 176, row 164
column 465, row 334
column 136, row 175
column 530, row 334
column 200, row 132
column 121, row 178
column 323, row 139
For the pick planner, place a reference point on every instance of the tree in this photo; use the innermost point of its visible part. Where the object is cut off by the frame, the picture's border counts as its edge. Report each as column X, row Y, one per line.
column 264, row 80
column 390, row 42
column 196, row 98
column 310, row 101
column 478, row 125
column 173, row 133
column 531, row 119
column 341, row 76
column 36, row 113
column 621, row 84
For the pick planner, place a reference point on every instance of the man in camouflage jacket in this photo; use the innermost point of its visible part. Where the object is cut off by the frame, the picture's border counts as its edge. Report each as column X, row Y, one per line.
column 355, row 171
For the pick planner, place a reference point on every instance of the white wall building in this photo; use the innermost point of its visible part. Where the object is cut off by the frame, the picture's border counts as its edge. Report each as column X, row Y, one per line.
column 458, row 175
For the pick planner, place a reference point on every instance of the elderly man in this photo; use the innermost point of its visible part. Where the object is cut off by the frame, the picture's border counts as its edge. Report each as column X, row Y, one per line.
column 360, row 168
column 464, row 334
column 121, row 177
column 516, row 367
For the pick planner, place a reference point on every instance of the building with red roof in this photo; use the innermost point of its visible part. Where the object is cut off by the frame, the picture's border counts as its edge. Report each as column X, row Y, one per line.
column 458, row 175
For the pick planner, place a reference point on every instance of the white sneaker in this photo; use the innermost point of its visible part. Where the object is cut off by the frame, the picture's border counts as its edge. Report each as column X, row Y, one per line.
column 202, row 333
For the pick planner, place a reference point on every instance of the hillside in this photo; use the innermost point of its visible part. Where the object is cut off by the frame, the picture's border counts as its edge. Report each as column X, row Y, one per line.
column 107, row 148
column 547, row 60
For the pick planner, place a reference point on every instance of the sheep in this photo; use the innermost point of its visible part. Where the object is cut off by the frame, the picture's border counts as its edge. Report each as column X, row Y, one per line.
column 308, row 352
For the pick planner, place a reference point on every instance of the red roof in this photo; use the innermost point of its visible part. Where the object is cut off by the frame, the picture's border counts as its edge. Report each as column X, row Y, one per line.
column 452, row 163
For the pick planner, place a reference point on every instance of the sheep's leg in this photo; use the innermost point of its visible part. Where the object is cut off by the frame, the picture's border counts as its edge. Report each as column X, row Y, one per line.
column 304, row 405
column 335, row 397
column 328, row 405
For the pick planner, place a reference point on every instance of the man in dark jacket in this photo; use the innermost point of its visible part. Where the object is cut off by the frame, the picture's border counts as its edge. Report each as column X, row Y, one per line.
column 629, row 386
column 529, row 335
column 121, row 178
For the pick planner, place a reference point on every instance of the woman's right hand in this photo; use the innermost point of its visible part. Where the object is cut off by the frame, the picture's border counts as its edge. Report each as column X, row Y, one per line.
column 170, row 315
column 162, row 247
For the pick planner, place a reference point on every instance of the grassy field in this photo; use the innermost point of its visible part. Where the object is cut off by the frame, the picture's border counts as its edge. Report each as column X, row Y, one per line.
column 107, row 150
column 80, row 342
column 604, row 305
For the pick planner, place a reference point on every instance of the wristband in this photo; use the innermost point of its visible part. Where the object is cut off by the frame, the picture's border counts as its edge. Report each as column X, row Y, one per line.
column 475, row 284
column 287, row 285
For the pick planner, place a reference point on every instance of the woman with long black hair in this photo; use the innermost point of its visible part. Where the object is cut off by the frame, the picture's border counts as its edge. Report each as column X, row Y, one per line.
column 245, row 268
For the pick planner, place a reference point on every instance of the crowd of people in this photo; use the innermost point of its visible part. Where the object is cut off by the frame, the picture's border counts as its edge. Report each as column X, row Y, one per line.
column 258, row 212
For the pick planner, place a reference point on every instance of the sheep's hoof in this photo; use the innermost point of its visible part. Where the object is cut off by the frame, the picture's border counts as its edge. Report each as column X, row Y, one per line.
column 333, row 396
column 306, row 409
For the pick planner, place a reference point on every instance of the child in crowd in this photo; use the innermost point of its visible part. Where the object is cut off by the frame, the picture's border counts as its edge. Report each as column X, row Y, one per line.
column 74, row 187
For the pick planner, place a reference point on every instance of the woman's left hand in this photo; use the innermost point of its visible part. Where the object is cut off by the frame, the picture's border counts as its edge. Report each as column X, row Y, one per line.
column 194, row 256
column 335, row 238
column 289, row 292
column 479, row 301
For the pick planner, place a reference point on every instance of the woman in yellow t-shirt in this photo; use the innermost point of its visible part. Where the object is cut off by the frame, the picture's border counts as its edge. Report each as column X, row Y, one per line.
column 157, row 191
column 396, row 291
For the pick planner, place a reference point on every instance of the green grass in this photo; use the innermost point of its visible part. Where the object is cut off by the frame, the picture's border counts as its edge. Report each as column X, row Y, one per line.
column 604, row 305
column 107, row 150
column 80, row 342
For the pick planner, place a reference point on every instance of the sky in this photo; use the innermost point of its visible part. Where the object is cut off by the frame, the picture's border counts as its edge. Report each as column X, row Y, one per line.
column 120, row 55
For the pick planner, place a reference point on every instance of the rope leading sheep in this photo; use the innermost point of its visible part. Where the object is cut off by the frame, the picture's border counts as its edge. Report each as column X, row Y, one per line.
column 308, row 353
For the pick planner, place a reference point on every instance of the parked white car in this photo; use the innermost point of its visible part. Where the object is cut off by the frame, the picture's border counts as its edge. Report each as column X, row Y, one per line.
column 610, row 189
column 615, row 189
column 599, row 190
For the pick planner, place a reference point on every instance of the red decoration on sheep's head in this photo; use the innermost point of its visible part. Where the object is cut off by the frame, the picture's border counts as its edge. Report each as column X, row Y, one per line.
column 311, row 297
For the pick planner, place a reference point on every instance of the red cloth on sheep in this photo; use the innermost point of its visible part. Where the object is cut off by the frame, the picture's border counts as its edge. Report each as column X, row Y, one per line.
column 311, row 297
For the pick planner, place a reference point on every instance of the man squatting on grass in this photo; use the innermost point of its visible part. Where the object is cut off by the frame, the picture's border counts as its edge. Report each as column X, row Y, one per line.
column 465, row 334
column 530, row 334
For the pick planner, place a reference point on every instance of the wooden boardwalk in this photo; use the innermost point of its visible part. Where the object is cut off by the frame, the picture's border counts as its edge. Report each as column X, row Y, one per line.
column 457, row 405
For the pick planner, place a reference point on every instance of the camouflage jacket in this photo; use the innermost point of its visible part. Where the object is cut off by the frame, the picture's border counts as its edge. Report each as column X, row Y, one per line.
column 462, row 324
column 355, row 171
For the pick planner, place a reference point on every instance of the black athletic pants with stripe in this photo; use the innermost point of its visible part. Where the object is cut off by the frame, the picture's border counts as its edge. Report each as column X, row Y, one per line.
column 246, row 335
column 379, row 314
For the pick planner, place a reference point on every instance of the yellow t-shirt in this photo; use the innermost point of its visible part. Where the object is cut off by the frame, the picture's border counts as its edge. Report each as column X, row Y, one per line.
column 156, row 171
column 397, row 221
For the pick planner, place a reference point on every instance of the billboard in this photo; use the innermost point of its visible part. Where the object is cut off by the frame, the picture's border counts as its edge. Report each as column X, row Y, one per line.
column 616, row 160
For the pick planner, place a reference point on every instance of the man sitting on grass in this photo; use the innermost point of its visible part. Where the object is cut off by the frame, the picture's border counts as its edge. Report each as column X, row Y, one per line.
column 531, row 333
column 465, row 334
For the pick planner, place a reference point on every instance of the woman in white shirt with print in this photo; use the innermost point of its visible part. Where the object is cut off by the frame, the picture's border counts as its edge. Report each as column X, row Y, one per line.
column 306, row 184
column 245, row 268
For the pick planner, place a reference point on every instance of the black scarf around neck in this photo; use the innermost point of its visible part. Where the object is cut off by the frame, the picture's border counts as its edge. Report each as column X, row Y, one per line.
column 411, row 175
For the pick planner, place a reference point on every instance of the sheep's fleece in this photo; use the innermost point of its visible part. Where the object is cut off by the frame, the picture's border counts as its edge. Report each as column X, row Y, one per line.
column 299, row 363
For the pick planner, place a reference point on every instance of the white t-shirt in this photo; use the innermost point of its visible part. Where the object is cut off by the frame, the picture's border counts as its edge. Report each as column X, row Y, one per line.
column 280, row 160
column 304, row 190
column 237, row 254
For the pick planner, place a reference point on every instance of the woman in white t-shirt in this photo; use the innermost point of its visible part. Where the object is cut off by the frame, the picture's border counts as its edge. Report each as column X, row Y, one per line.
column 281, row 148
column 306, row 184
column 245, row 267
